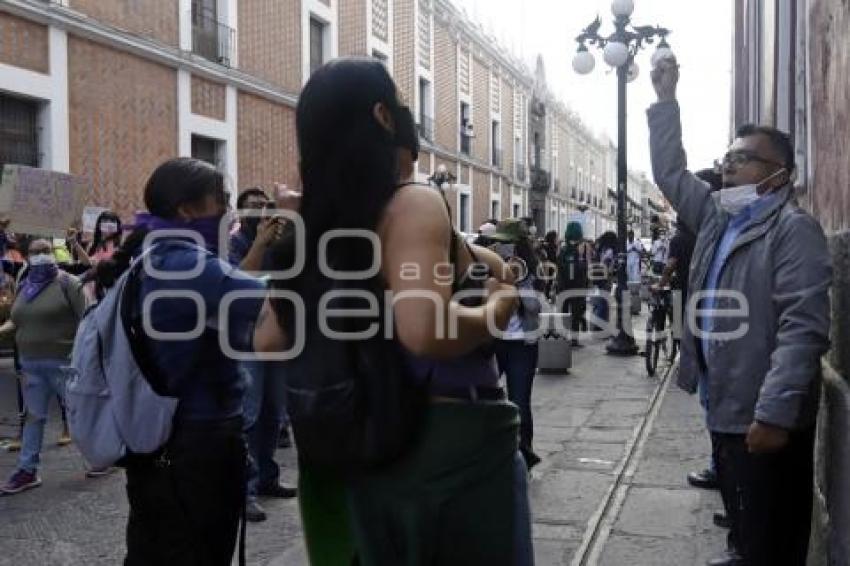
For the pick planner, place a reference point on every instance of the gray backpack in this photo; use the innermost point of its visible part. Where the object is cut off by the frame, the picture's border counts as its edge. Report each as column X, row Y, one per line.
column 112, row 408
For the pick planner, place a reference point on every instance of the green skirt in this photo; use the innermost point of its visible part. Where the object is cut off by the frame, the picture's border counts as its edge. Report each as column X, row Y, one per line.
column 449, row 502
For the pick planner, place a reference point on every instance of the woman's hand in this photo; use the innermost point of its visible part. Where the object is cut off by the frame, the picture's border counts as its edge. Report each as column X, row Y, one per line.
column 286, row 199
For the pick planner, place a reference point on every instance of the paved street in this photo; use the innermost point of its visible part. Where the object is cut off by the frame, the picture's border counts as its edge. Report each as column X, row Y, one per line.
column 610, row 490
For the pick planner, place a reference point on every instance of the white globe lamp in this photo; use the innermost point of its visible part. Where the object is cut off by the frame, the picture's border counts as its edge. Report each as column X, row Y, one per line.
column 622, row 8
column 583, row 62
column 633, row 73
column 616, row 54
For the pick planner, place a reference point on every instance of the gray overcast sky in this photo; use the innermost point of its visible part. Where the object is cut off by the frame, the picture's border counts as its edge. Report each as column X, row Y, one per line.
column 701, row 38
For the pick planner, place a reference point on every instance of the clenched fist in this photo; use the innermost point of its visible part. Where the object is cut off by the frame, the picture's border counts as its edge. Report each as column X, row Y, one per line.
column 665, row 77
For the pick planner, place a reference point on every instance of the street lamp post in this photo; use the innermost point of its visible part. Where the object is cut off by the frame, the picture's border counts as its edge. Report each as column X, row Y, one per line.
column 619, row 50
column 442, row 176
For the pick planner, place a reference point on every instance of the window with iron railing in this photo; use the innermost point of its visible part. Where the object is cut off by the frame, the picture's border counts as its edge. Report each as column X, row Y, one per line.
column 211, row 39
column 465, row 129
column 426, row 128
column 207, row 149
column 19, row 131
column 497, row 157
column 318, row 30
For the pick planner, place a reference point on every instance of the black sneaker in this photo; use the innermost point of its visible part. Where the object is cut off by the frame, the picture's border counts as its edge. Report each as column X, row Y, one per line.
column 531, row 459
column 254, row 512
column 721, row 520
column 281, row 491
column 706, row 479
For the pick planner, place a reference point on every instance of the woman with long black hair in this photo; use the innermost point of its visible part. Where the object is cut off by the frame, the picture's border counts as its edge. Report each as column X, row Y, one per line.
column 450, row 499
column 186, row 499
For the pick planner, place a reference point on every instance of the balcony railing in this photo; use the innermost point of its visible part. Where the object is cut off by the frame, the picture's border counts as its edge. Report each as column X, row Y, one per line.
column 426, row 128
column 19, row 132
column 520, row 171
column 540, row 179
column 211, row 39
column 465, row 144
column 497, row 157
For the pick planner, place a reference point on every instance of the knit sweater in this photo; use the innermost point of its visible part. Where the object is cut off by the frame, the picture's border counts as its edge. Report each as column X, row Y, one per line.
column 45, row 327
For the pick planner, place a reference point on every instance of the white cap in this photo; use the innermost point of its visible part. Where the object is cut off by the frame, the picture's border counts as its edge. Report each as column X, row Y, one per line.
column 487, row 229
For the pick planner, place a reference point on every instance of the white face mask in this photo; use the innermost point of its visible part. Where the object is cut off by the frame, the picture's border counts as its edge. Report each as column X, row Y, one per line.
column 42, row 259
column 109, row 228
column 735, row 199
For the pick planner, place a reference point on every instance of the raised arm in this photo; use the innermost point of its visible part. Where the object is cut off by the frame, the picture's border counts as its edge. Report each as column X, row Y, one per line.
column 689, row 195
column 415, row 237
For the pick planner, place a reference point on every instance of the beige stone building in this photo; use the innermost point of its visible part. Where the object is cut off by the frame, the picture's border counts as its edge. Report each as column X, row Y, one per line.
column 108, row 89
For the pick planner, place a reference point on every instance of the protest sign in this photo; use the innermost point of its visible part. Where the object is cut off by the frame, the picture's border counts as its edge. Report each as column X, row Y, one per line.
column 90, row 214
column 41, row 202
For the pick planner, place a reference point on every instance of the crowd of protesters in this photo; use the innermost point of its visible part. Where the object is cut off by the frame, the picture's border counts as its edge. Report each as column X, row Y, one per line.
column 410, row 451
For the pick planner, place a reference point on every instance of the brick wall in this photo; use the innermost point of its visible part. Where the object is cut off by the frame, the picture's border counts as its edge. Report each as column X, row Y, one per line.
column 424, row 163
column 270, row 41
column 404, row 43
column 123, row 121
column 208, row 98
column 481, row 111
column 156, row 19
column 451, row 197
column 507, row 188
column 480, row 197
column 352, row 27
column 446, row 101
column 508, row 128
column 829, row 196
column 266, row 144
column 564, row 160
column 829, row 193
column 464, row 174
column 23, row 43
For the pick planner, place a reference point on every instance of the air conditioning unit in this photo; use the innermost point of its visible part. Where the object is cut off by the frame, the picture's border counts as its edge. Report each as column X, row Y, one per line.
column 467, row 130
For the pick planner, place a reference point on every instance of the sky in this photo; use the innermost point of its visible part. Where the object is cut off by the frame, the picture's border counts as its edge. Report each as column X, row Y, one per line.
column 701, row 38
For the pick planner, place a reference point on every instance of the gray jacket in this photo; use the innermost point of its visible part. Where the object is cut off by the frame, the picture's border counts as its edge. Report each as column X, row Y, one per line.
column 781, row 265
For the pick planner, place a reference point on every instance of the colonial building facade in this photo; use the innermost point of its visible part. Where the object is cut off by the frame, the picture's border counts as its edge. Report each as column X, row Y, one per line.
column 108, row 89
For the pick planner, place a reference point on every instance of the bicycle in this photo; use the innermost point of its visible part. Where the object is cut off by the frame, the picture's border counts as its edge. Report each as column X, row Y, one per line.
column 658, row 337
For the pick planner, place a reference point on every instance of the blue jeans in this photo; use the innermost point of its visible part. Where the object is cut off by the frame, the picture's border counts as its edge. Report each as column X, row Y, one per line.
column 43, row 381
column 518, row 361
column 264, row 412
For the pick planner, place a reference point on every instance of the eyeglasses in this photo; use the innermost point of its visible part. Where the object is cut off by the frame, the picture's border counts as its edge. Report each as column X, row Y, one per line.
column 742, row 157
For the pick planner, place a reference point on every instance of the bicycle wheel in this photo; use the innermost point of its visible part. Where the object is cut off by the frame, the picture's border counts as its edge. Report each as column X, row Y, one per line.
column 673, row 344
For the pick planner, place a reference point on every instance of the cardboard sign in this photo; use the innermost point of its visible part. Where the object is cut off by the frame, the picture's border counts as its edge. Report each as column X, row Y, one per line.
column 41, row 202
